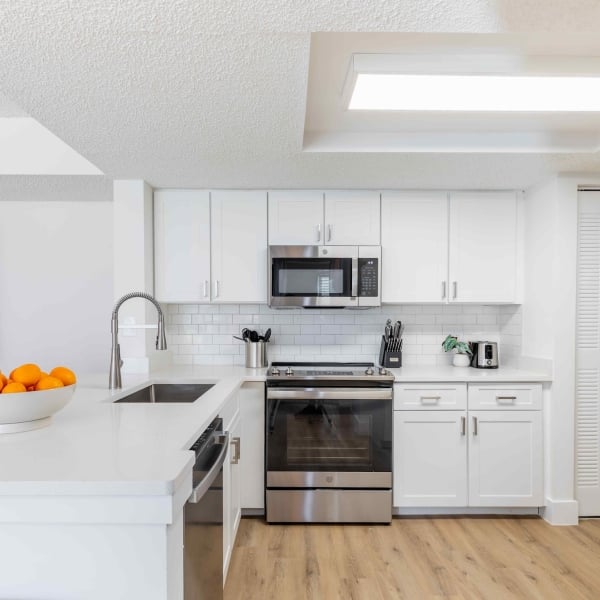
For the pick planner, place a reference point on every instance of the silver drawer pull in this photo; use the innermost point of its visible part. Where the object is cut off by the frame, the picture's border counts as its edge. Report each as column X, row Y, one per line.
column 463, row 426
column 506, row 399
column 430, row 399
column 474, row 425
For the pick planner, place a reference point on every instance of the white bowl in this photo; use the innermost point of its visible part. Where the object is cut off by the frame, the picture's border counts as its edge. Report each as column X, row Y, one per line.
column 23, row 411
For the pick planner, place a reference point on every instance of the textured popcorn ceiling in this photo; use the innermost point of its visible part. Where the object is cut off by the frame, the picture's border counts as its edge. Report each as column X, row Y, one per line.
column 212, row 94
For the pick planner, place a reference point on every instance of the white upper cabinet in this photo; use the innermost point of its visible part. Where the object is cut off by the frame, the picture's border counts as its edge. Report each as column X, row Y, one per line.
column 182, row 245
column 296, row 218
column 210, row 247
column 352, row 218
column 461, row 247
column 483, row 247
column 414, row 240
column 239, row 246
column 307, row 218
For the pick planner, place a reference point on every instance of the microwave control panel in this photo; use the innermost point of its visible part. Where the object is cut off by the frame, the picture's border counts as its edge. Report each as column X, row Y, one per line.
column 368, row 277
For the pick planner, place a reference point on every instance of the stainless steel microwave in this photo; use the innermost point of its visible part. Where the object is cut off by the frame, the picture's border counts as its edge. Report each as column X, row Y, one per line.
column 324, row 276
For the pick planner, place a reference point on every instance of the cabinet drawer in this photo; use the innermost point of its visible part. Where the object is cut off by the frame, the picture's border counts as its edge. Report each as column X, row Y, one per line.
column 430, row 396
column 505, row 396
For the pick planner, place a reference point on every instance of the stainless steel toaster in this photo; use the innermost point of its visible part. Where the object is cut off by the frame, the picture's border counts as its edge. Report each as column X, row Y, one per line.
column 485, row 355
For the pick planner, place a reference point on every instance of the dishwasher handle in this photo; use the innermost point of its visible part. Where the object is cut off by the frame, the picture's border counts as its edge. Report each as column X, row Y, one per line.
column 204, row 485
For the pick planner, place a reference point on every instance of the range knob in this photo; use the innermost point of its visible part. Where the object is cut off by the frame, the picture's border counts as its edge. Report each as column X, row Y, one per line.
column 274, row 371
column 289, row 371
column 369, row 371
column 383, row 371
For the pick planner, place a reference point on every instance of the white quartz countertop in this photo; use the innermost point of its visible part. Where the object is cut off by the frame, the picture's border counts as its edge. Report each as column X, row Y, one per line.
column 467, row 374
column 96, row 447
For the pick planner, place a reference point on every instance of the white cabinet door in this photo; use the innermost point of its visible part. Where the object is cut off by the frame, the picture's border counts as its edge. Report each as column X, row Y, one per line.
column 181, row 245
column 296, row 218
column 414, row 246
column 252, row 461
column 239, row 246
column 505, row 458
column 232, row 510
column 430, row 458
column 352, row 218
column 483, row 247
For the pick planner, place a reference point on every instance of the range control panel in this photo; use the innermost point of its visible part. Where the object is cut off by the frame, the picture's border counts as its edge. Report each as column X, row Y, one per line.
column 368, row 277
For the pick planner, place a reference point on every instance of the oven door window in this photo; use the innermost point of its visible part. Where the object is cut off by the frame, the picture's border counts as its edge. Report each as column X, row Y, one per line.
column 322, row 435
column 324, row 277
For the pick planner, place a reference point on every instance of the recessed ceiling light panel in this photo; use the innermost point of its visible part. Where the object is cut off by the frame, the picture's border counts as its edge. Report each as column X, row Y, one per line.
column 473, row 93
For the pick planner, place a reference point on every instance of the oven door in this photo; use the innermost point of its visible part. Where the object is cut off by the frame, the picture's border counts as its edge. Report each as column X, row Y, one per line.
column 329, row 437
column 313, row 276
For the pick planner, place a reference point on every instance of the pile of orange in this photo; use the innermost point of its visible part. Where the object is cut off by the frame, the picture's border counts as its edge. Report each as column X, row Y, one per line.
column 30, row 378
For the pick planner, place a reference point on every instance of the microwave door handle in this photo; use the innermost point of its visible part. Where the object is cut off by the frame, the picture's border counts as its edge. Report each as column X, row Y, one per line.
column 354, row 291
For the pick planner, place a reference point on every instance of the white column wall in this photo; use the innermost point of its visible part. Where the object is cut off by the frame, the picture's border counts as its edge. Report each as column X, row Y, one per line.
column 549, row 313
column 134, row 272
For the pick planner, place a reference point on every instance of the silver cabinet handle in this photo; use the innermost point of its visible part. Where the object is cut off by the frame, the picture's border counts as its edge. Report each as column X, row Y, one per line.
column 443, row 290
column 474, row 425
column 328, row 233
column 430, row 399
column 216, row 288
column 319, row 232
column 235, row 442
column 454, row 289
column 506, row 399
column 463, row 425
column 206, row 288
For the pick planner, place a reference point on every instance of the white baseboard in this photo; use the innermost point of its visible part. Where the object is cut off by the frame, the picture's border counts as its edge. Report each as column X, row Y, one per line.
column 561, row 512
column 465, row 511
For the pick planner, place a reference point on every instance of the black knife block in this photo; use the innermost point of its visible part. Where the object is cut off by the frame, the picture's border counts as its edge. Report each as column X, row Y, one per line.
column 391, row 360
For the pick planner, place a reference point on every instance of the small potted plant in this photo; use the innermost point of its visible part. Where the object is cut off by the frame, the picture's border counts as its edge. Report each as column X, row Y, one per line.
column 461, row 357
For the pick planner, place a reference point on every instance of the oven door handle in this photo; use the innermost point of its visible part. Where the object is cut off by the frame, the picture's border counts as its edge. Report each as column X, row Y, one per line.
column 329, row 394
column 210, row 477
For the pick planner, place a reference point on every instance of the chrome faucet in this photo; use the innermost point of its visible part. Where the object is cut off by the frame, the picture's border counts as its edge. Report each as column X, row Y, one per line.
column 116, row 363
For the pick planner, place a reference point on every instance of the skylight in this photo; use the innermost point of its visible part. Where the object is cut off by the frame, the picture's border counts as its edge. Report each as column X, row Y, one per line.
column 500, row 93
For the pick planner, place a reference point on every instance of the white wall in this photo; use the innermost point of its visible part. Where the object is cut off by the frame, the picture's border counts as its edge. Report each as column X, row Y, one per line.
column 55, row 283
column 540, row 214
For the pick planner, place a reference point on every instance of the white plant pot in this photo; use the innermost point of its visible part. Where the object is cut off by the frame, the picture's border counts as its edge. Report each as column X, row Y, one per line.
column 461, row 360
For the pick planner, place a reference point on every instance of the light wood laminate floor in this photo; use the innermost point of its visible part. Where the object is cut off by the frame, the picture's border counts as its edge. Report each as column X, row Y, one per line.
column 416, row 558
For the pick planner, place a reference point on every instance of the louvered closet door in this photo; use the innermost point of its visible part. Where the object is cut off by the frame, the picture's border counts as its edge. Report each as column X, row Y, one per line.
column 587, row 472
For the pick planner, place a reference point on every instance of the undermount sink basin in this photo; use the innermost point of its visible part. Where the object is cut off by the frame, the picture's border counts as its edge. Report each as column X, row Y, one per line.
column 168, row 392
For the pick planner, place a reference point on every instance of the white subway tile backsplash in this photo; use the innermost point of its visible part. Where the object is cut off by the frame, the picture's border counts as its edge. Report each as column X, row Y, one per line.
column 203, row 334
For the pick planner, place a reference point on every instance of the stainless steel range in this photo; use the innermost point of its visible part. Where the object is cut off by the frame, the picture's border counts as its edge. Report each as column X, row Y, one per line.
column 328, row 443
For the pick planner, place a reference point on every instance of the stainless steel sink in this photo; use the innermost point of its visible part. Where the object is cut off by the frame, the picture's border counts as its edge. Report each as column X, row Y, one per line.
column 168, row 392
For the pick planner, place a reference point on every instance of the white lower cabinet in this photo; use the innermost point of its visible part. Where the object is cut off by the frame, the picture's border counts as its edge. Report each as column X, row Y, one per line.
column 430, row 457
column 252, row 461
column 232, row 507
column 505, row 458
column 469, row 458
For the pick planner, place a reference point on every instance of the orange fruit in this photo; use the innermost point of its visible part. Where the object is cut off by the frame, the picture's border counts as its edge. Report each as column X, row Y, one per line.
column 65, row 375
column 28, row 374
column 48, row 383
column 2, row 378
column 12, row 388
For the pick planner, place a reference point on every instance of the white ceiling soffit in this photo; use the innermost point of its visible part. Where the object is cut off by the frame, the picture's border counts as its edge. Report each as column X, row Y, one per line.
column 28, row 148
column 336, row 63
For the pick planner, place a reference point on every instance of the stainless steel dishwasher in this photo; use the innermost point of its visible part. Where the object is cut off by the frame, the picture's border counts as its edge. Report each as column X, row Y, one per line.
column 203, row 538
